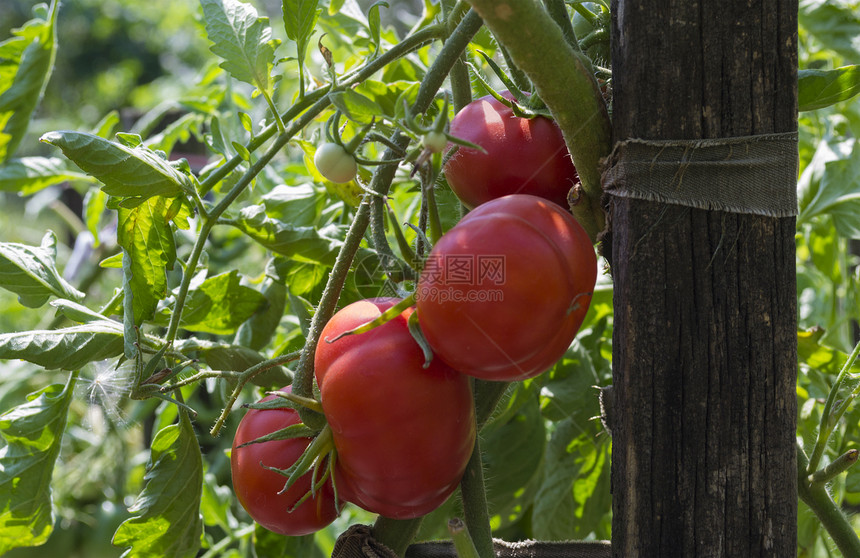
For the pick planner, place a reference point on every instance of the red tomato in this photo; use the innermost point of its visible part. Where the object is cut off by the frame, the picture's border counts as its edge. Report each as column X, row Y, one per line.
column 524, row 156
column 257, row 487
column 504, row 292
column 403, row 433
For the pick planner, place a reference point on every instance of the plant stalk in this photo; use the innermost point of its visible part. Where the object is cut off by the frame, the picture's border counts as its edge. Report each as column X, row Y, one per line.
column 815, row 495
column 475, row 512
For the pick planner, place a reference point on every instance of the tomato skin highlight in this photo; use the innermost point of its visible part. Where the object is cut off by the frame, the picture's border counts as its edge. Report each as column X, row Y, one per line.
column 514, row 320
column 403, row 434
column 257, row 488
column 523, row 156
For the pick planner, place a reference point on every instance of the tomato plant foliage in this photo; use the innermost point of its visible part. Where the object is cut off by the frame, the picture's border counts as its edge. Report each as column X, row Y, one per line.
column 173, row 249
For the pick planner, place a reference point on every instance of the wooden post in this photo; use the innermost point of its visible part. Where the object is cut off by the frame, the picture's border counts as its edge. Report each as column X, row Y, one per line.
column 705, row 350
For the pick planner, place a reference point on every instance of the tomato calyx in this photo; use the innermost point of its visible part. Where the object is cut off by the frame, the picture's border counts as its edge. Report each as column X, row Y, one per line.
column 523, row 105
column 318, row 459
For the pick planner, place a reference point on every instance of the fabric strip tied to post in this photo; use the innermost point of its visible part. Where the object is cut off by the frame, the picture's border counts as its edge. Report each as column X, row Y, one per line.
column 749, row 174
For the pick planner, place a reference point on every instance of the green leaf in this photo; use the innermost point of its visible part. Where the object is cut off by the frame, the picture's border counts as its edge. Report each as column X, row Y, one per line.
column 260, row 328
column 812, row 353
column 837, row 189
column 355, row 106
column 67, row 348
column 243, row 40
column 512, row 455
column 300, row 17
column 215, row 503
column 26, row 62
column 76, row 312
column 149, row 250
column 297, row 205
column 390, row 97
column 835, row 23
column 238, row 359
column 374, row 23
column 169, row 521
column 95, row 203
column 822, row 88
column 28, row 175
column 31, row 272
column 32, row 433
column 267, row 543
column 568, row 391
column 131, row 172
column 573, row 500
column 219, row 304
column 302, row 242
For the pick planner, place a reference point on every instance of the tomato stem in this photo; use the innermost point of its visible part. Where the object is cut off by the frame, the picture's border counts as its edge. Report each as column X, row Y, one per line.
column 474, row 494
column 463, row 544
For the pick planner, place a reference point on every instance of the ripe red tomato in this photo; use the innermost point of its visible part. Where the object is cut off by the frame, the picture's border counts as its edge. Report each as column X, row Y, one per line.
column 503, row 293
column 403, row 433
column 257, row 487
column 524, row 156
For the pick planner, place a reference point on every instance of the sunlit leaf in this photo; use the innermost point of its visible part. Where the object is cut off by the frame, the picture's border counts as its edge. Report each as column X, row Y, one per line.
column 149, row 250
column 261, row 327
column 242, row 39
column 300, row 16
column 835, row 23
column 302, row 242
column 822, row 88
column 26, row 62
column 68, row 348
column 32, row 433
column 168, row 520
column 31, row 272
column 513, row 454
column 219, row 304
column 132, row 172
column 28, row 175
column 355, row 106
column 573, row 500
column 831, row 185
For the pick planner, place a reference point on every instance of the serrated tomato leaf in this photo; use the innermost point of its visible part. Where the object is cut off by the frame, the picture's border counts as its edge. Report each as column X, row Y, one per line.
column 243, row 40
column 835, row 188
column 28, row 175
column 169, row 522
column 300, row 17
column 302, row 242
column 31, row 272
column 512, row 455
column 355, row 106
column 219, row 304
column 149, row 250
column 126, row 172
column 573, row 497
column 66, row 348
column 32, row 433
column 26, row 62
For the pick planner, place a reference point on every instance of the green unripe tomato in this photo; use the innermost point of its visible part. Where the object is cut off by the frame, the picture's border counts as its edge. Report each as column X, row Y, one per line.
column 335, row 163
column 434, row 142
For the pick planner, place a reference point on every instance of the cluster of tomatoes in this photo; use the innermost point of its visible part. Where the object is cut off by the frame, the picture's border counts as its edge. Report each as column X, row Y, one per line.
column 500, row 297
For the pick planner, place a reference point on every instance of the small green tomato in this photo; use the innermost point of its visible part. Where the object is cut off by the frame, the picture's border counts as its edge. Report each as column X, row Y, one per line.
column 434, row 141
column 335, row 163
